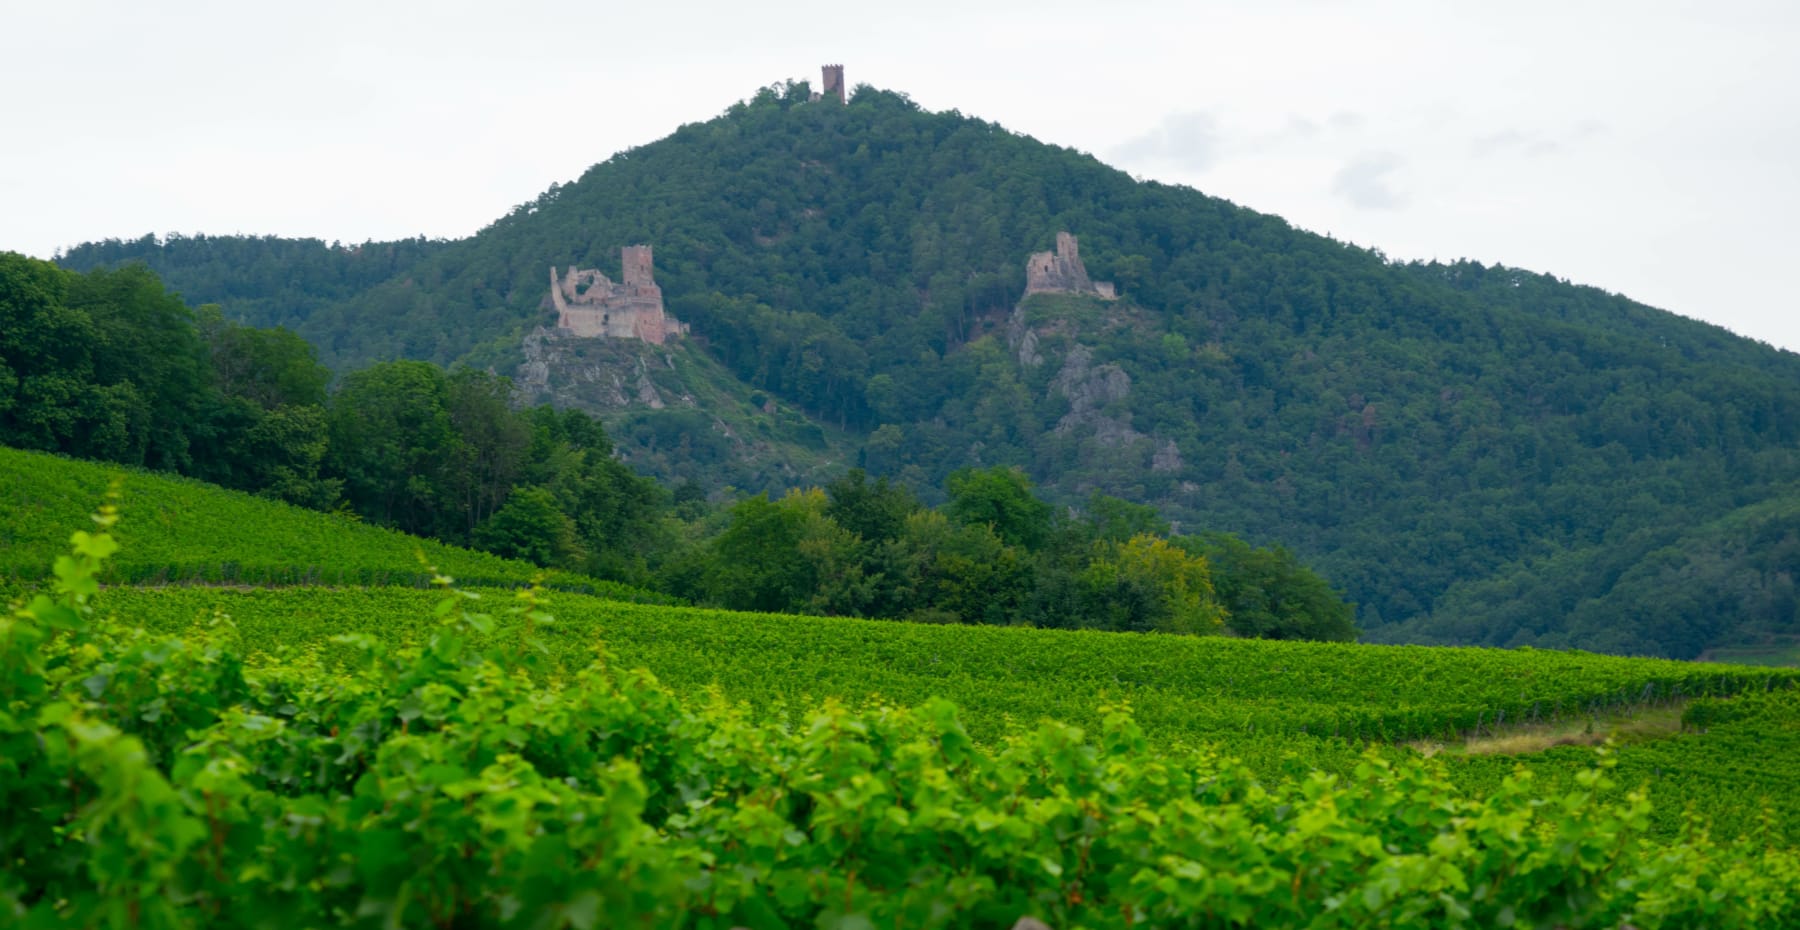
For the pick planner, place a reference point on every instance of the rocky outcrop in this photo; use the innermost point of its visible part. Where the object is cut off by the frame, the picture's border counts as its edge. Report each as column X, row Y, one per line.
column 1097, row 417
column 1090, row 390
column 596, row 374
column 1167, row 458
column 672, row 410
column 1025, row 343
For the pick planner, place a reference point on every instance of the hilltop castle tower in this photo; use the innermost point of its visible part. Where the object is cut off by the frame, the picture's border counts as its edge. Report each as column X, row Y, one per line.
column 1061, row 272
column 589, row 304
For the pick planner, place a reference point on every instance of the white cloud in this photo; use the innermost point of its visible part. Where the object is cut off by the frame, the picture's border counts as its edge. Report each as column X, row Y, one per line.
column 1367, row 181
column 1188, row 142
column 1534, row 144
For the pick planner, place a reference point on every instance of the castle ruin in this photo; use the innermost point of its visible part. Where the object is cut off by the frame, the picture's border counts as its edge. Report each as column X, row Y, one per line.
column 832, row 82
column 590, row 304
column 1061, row 272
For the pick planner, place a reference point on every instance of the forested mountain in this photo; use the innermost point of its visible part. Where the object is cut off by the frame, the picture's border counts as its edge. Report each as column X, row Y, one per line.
column 1474, row 454
column 267, row 280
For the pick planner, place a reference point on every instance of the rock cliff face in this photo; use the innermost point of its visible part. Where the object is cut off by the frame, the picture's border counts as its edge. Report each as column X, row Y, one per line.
column 1059, row 330
column 1095, row 394
column 673, row 411
column 593, row 373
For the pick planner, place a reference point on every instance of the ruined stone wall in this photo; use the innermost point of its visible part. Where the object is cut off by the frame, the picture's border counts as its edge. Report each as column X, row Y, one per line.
column 1062, row 272
column 588, row 304
column 632, row 320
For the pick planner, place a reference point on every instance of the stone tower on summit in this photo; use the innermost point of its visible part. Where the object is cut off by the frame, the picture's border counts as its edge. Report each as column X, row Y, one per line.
column 832, row 84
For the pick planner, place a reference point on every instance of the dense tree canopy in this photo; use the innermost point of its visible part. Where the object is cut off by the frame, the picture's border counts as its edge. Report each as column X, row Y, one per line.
column 110, row 365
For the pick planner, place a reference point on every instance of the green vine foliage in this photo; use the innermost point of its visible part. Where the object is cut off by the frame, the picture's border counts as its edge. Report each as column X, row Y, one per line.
column 163, row 782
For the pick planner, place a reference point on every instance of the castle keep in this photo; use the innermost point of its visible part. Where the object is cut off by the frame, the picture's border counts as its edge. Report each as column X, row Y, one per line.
column 832, row 81
column 590, row 304
column 1061, row 272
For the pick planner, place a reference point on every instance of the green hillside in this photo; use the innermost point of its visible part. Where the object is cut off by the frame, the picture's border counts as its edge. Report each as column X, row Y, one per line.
column 279, row 282
column 1281, row 706
column 1424, row 435
column 178, row 531
column 1725, row 580
column 336, row 756
column 1182, row 689
column 674, row 411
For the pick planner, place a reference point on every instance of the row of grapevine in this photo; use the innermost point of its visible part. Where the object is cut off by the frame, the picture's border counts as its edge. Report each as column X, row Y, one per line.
column 187, row 532
column 1183, row 691
column 1182, row 687
column 1734, row 766
column 155, row 781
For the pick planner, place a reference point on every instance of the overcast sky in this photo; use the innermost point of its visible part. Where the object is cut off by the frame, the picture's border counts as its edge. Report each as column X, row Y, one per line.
column 1648, row 148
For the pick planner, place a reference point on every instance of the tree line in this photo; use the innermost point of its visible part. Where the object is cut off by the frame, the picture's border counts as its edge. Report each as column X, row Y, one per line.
column 109, row 365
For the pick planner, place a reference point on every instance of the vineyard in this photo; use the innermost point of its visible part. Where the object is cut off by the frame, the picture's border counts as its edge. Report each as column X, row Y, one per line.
column 1732, row 766
column 185, row 531
column 1281, row 708
column 166, row 782
column 509, row 756
column 1181, row 688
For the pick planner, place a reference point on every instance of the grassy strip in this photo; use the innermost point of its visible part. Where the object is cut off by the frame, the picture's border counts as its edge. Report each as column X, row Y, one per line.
column 179, row 531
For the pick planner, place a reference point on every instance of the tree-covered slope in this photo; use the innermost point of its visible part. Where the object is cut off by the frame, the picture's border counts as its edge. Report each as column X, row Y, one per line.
column 1673, row 589
column 1413, row 431
column 674, row 411
column 267, row 280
